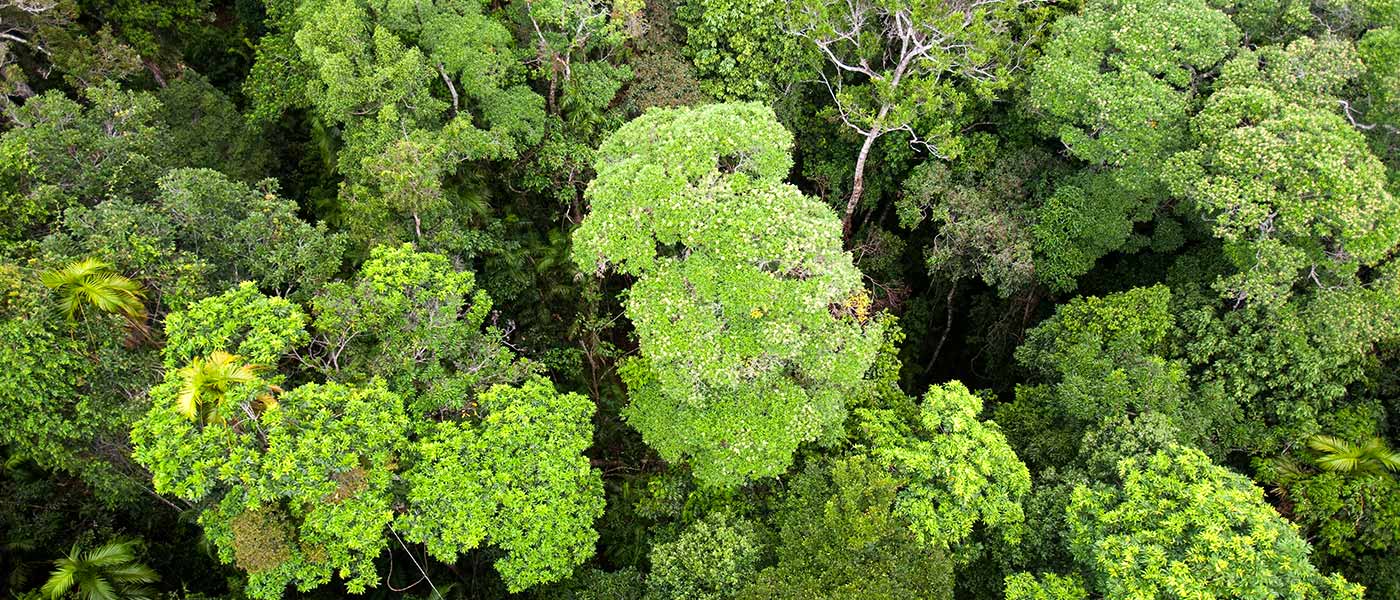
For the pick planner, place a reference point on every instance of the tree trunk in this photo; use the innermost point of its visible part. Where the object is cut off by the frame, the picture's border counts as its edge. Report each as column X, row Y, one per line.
column 858, row 185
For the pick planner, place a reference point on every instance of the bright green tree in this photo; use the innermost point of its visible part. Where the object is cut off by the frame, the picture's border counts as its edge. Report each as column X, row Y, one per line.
column 206, row 381
column 1119, row 82
column 516, row 480
column 301, row 486
column 1117, row 86
column 752, row 322
column 958, row 472
column 1368, row 457
column 1180, row 527
column 1289, row 185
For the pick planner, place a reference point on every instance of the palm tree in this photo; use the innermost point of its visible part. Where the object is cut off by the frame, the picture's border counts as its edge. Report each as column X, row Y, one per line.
column 1342, row 456
column 91, row 282
column 208, row 380
column 108, row 572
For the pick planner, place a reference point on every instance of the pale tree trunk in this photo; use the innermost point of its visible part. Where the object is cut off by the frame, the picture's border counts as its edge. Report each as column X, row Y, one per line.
column 858, row 184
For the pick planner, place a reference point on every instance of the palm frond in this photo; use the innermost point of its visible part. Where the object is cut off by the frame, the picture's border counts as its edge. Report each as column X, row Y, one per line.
column 132, row 572
column 107, row 572
column 91, row 282
column 1337, row 462
column 61, row 579
column 207, row 380
column 110, row 554
column 1390, row 460
column 101, row 589
column 1343, row 456
column 1330, row 444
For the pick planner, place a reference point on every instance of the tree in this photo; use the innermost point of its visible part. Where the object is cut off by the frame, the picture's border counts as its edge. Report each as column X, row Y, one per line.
column 68, row 394
column 92, row 283
column 1299, row 202
column 958, row 472
column 577, row 46
column 1345, row 498
column 414, row 320
column 241, row 321
column 41, row 37
column 1119, row 82
column 401, row 80
column 1290, row 186
column 1117, row 86
column 741, row 51
column 320, row 486
column 1179, row 526
column 979, row 206
column 107, row 572
column 710, row 560
column 517, row 480
column 752, row 322
column 1098, row 359
column 314, row 482
column 65, row 153
column 248, row 232
column 898, row 62
column 1342, row 495
column 566, row 31
column 841, row 537
column 1379, row 50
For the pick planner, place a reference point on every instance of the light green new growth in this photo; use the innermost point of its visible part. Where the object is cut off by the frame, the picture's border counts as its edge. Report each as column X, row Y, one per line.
column 752, row 320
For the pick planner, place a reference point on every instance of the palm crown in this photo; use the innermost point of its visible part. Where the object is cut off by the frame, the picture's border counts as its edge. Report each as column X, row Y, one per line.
column 108, row 572
column 1371, row 456
column 91, row 282
column 207, row 381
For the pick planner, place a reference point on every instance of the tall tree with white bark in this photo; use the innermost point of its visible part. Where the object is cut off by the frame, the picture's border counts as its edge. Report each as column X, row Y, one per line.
column 910, row 66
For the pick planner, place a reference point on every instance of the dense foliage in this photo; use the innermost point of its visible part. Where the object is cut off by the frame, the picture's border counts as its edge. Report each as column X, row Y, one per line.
column 700, row 299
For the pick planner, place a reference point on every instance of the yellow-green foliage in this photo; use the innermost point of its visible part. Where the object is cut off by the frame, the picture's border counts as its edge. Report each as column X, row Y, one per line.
column 517, row 480
column 1046, row 586
column 300, row 486
column 958, row 471
column 745, row 306
column 1181, row 527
